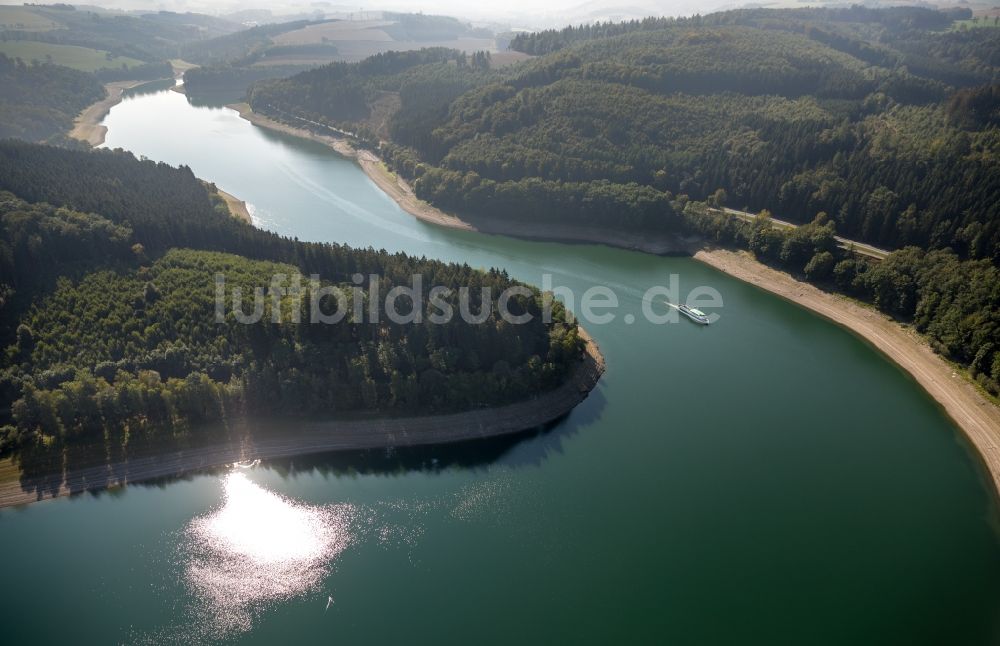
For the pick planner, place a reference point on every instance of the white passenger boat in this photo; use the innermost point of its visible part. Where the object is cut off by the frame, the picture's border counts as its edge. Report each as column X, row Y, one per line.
column 695, row 315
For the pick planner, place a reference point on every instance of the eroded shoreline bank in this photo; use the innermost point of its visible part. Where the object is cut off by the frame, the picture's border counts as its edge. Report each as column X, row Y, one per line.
column 87, row 126
column 237, row 207
column 976, row 416
column 323, row 437
column 400, row 191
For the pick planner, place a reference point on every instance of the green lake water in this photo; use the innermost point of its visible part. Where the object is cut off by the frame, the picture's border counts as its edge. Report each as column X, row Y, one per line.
column 769, row 479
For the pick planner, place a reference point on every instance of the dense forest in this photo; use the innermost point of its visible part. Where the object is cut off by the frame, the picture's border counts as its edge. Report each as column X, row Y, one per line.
column 39, row 102
column 144, row 72
column 231, row 80
column 233, row 62
column 855, row 112
column 883, row 123
column 416, row 87
column 109, row 325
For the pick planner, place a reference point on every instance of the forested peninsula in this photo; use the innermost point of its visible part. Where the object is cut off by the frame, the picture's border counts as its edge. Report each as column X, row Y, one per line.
column 879, row 125
column 110, row 336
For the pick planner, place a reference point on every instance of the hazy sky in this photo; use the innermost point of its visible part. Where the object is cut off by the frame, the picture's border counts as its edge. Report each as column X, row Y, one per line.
column 527, row 13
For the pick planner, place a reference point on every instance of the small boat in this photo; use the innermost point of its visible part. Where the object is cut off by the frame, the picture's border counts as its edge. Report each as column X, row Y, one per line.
column 695, row 315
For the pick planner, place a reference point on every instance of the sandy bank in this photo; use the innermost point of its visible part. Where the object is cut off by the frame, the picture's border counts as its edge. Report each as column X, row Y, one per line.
column 236, row 206
column 401, row 191
column 321, row 437
column 977, row 416
column 87, row 126
column 180, row 66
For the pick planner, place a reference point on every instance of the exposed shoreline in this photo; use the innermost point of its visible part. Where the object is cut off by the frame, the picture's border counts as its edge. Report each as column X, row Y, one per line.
column 237, row 207
column 87, row 126
column 399, row 190
column 976, row 416
column 326, row 436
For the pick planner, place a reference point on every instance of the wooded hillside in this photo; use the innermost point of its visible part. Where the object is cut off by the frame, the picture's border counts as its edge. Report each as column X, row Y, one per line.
column 109, row 320
column 880, row 124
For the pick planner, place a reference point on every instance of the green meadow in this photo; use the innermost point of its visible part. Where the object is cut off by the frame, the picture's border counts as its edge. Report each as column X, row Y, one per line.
column 81, row 58
column 24, row 19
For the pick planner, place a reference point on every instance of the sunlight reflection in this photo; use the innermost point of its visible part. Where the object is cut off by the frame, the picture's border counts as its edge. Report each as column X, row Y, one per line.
column 260, row 547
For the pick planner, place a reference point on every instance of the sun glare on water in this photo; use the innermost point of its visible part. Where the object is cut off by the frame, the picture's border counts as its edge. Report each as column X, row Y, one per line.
column 257, row 548
column 264, row 528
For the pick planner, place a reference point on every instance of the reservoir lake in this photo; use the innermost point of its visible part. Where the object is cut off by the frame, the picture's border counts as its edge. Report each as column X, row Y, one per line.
column 768, row 479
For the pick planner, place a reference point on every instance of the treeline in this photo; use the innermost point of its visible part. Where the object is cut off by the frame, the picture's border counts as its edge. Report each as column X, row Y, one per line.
column 79, row 365
column 714, row 60
column 155, row 358
column 240, row 48
column 877, row 118
column 892, row 19
column 954, row 302
column 547, row 41
column 799, row 111
column 890, row 37
column 343, row 94
column 163, row 206
column 145, row 72
column 321, row 49
column 896, row 179
column 229, row 64
column 892, row 157
column 597, row 203
column 420, row 27
column 231, row 78
column 40, row 102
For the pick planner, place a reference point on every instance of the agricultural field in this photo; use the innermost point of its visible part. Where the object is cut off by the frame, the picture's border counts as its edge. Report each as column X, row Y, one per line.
column 359, row 39
column 503, row 59
column 24, row 19
column 979, row 22
column 84, row 59
column 336, row 31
